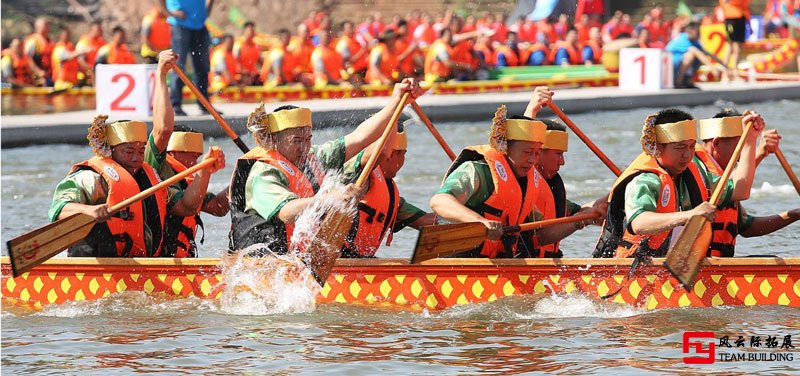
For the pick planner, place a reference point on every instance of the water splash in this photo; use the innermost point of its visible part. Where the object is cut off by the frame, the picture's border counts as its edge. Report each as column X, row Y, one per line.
column 127, row 303
column 537, row 307
column 768, row 190
column 267, row 285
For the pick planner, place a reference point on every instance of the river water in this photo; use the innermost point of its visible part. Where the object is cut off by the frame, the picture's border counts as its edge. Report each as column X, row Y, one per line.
column 566, row 334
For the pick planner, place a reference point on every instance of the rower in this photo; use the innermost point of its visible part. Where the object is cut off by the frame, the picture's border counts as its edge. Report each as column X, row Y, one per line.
column 122, row 167
column 496, row 185
column 184, row 148
column 720, row 135
column 276, row 181
column 664, row 187
column 382, row 210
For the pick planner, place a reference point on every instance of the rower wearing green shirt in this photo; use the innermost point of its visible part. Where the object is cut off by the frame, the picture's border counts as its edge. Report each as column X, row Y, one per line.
column 276, row 181
column 125, row 163
column 382, row 210
column 720, row 135
column 665, row 186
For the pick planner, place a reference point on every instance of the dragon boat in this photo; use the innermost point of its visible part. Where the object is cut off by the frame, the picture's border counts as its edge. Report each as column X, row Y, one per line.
column 433, row 285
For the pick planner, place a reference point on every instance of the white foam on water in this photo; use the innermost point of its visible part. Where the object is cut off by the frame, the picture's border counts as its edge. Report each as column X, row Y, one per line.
column 578, row 305
column 126, row 302
column 768, row 189
column 267, row 285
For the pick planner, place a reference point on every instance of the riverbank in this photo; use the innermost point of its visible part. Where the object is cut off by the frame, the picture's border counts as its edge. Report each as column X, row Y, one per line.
column 70, row 127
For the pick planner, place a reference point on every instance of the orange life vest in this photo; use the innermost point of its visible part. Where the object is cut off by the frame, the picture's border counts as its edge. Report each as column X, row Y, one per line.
column 388, row 64
column 117, row 54
column 44, row 51
column 180, row 232
column 354, row 48
column 332, row 63
column 726, row 224
column 21, row 64
column 406, row 66
column 248, row 54
column 616, row 241
column 160, row 37
column 462, row 53
column 488, row 54
column 433, row 66
column 230, row 66
column 377, row 213
column 597, row 51
column 507, row 204
column 552, row 203
column 94, row 43
column 65, row 71
column 288, row 66
column 512, row 60
column 574, row 54
column 250, row 228
column 525, row 54
column 302, row 54
column 128, row 228
column 734, row 9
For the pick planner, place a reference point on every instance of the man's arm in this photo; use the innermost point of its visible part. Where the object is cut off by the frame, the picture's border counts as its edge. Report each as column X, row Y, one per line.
column 767, row 225
column 541, row 96
column 219, row 205
column 745, row 170
column 193, row 195
column 163, row 115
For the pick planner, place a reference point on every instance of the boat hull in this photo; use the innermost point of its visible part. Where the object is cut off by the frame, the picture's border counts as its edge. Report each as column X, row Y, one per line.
column 433, row 285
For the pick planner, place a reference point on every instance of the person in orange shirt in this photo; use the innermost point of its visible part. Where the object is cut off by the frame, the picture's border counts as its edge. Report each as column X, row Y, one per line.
column 499, row 27
column 737, row 12
column 354, row 55
column 280, row 66
column 328, row 65
column 439, row 65
column 592, row 51
column 224, row 70
column 17, row 68
column 409, row 57
column 91, row 41
column 301, row 47
column 115, row 52
column 156, row 35
column 248, row 55
column 567, row 52
column 582, row 27
column 424, row 33
column 383, row 64
column 66, row 65
column 39, row 47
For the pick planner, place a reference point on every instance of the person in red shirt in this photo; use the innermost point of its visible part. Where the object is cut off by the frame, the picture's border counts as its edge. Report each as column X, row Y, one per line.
column 499, row 27
column 156, row 34
column 248, row 55
column 562, row 26
column 470, row 24
column 409, row 56
column 624, row 28
column 544, row 26
column 424, row 33
column 582, row 27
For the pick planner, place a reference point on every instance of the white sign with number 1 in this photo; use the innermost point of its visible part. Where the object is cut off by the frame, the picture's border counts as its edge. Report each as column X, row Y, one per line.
column 125, row 90
column 645, row 69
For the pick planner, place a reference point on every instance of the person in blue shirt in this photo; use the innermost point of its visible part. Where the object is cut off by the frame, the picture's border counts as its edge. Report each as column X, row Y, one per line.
column 688, row 55
column 187, row 19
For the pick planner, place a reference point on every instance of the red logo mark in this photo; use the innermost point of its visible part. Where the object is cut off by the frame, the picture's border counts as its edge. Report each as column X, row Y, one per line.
column 690, row 340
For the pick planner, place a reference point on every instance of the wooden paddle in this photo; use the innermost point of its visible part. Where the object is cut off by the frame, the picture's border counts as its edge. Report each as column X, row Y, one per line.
column 446, row 240
column 788, row 169
column 204, row 101
column 33, row 248
column 322, row 253
column 434, row 131
column 584, row 138
column 684, row 259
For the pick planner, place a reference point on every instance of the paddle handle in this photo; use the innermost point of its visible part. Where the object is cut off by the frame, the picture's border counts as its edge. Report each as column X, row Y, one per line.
column 788, row 169
column 204, row 101
column 433, row 130
column 613, row 167
column 549, row 222
column 164, row 184
column 373, row 159
column 716, row 195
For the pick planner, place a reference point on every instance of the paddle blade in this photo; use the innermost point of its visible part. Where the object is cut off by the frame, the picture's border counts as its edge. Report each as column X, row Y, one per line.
column 321, row 253
column 35, row 247
column 446, row 240
column 684, row 260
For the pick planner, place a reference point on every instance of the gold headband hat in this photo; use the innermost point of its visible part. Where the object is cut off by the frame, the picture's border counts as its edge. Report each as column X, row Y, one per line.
column 190, row 142
column 526, row 130
column 103, row 136
column 557, row 140
column 121, row 132
column 288, row 119
column 730, row 126
column 401, row 141
column 676, row 132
